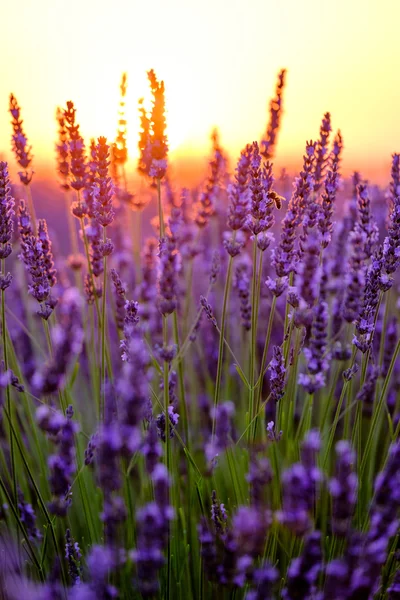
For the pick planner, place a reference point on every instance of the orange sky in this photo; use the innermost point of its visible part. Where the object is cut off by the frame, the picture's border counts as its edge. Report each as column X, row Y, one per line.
column 219, row 60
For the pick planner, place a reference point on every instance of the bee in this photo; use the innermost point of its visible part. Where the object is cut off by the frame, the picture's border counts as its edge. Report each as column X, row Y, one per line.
column 276, row 198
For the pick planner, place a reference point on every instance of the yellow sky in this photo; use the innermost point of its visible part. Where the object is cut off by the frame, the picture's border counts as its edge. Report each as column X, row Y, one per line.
column 219, row 60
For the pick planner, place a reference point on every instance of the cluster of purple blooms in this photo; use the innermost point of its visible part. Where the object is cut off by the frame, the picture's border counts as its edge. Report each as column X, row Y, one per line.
column 226, row 421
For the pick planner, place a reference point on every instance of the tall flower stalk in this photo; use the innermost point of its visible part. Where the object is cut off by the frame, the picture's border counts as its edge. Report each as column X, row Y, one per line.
column 6, row 231
column 153, row 148
column 269, row 141
column 22, row 152
column 104, row 215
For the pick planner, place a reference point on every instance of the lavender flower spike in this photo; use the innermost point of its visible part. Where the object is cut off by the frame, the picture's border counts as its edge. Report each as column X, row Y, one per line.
column 76, row 149
column 275, row 107
column 6, row 222
column 62, row 462
column 321, row 151
column 20, row 143
column 73, row 556
column 303, row 572
column 238, row 191
column 343, row 489
column 170, row 266
column 103, row 190
column 277, row 377
column 391, row 252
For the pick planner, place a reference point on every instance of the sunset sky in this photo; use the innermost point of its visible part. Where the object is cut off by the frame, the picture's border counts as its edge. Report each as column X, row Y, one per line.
column 219, row 61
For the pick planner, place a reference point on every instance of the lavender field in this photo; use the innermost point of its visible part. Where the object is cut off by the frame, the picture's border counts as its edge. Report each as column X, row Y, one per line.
column 205, row 404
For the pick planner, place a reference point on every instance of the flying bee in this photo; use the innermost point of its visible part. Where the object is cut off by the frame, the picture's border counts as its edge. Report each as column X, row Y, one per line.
column 276, row 198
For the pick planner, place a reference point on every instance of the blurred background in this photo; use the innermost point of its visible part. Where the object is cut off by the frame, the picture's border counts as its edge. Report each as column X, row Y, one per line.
column 219, row 61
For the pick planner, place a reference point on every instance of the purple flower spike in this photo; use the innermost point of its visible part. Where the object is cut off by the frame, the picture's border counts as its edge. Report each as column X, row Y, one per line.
column 134, row 393
column 278, row 372
column 205, row 206
column 120, row 298
column 223, row 430
column 21, row 149
column 238, row 191
column 264, row 580
column 394, row 589
column 170, row 266
column 315, row 353
column 242, row 285
column 356, row 276
column 103, row 189
column 262, row 198
column 322, row 151
column 206, row 306
column 391, row 247
column 73, row 556
column 67, row 343
column 6, row 212
column 62, row 462
column 303, row 572
column 384, row 524
column 76, row 149
column 299, row 488
column 153, row 522
column 343, row 489
column 28, row 518
column 268, row 144
column 43, row 236
column 33, row 256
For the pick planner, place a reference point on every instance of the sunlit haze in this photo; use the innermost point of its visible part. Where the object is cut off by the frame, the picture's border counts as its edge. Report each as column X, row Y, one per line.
column 219, row 61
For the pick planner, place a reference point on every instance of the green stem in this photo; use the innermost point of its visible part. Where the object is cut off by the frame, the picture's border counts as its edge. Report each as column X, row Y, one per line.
column 286, row 405
column 265, row 352
column 368, row 354
column 372, row 432
column 8, row 395
column 384, row 324
column 335, row 422
column 31, row 207
column 160, row 209
column 23, row 530
column 96, row 300
column 37, row 491
column 73, row 236
column 253, row 335
column 103, row 331
column 166, row 395
column 181, row 381
column 221, row 342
